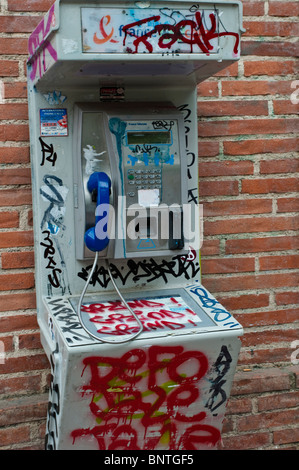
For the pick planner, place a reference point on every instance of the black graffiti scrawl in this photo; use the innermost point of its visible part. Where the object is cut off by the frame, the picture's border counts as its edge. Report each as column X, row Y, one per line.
column 219, row 370
column 147, row 270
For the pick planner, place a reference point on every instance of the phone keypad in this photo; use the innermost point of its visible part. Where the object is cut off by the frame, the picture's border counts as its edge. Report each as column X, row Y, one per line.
column 143, row 179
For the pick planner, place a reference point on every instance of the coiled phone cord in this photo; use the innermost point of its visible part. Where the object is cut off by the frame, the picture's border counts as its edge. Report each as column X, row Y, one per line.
column 131, row 337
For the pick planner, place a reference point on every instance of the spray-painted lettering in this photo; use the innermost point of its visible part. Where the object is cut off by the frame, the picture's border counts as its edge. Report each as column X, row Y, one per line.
column 171, row 34
column 148, row 270
column 147, row 399
column 38, row 60
column 112, row 318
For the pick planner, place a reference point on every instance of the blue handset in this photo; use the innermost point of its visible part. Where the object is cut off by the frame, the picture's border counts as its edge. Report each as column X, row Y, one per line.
column 96, row 238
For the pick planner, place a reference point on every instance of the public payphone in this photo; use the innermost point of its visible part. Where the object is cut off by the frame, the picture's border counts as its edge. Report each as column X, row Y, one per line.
column 142, row 355
column 140, row 148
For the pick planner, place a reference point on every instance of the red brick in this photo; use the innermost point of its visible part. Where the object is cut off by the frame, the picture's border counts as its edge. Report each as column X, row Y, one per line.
column 18, row 24
column 270, row 185
column 279, row 262
column 288, row 165
column 14, row 365
column 246, row 301
column 287, row 204
column 225, row 168
column 251, row 147
column 14, row 155
column 269, row 337
column 12, row 111
column 256, row 245
column 247, row 441
column 283, row 8
column 30, row 341
column 16, row 260
column 265, row 356
column 30, row 218
column 247, row 127
column 232, row 108
column 213, row 188
column 269, row 48
column 14, row 132
column 271, row 28
column 14, row 239
column 278, row 401
column 237, row 207
column 267, row 380
column 208, row 88
column 14, row 323
column 9, row 68
column 267, row 420
column 29, row 5
column 277, row 317
column 238, row 406
column 17, row 385
column 24, row 301
column 16, row 197
column 14, row 411
column 208, row 149
column 285, row 107
column 250, row 282
column 9, row 219
column 16, row 281
column 253, row 7
column 15, row 176
column 15, row 90
column 269, row 67
column 210, row 247
column 230, row 71
column 224, row 265
column 251, row 225
column 286, row 436
column 287, row 298
column 14, row 435
column 14, row 46
column 8, row 342
column 256, row 87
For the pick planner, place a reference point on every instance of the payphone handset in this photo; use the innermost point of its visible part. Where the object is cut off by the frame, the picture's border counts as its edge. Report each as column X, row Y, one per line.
column 131, row 181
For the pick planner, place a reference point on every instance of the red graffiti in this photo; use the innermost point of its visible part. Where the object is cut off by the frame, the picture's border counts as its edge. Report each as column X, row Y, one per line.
column 113, row 318
column 36, row 40
column 170, row 34
column 147, row 399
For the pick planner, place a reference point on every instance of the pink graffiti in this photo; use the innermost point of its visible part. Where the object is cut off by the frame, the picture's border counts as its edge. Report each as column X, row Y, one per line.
column 148, row 398
column 37, row 40
column 171, row 34
column 112, row 318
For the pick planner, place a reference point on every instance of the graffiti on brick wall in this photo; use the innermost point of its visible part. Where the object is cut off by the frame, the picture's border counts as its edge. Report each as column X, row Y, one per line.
column 148, row 399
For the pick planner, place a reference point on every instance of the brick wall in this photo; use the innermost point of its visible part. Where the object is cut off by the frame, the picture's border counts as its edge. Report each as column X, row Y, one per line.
column 248, row 168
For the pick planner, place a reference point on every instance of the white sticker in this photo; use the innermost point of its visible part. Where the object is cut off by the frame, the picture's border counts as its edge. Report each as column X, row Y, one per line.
column 149, row 197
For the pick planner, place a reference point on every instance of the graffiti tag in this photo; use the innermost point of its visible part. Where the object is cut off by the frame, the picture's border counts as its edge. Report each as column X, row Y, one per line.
column 170, row 34
column 146, row 399
column 38, row 39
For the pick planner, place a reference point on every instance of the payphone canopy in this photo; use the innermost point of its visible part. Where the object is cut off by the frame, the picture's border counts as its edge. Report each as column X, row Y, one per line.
column 125, row 42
